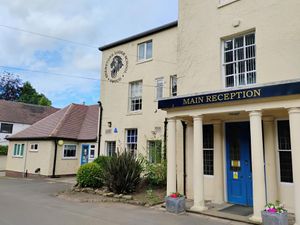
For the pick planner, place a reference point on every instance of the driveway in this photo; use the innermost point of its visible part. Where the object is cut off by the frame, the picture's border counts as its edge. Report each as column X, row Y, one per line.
column 33, row 202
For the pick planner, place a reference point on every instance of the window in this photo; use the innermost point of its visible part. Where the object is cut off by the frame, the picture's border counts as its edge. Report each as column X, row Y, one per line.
column 69, row 151
column 92, row 151
column 285, row 154
column 6, row 128
column 18, row 150
column 239, row 61
column 173, row 85
column 34, row 147
column 154, row 150
column 135, row 96
column 145, row 51
column 131, row 140
column 208, row 149
column 110, row 148
column 159, row 88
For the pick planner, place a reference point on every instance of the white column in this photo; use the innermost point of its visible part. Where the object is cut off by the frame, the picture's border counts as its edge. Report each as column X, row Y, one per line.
column 294, row 116
column 270, row 159
column 198, row 176
column 171, row 156
column 258, row 174
column 218, row 162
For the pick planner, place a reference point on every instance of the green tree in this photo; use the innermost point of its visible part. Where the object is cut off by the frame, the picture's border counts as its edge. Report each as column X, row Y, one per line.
column 10, row 86
column 30, row 95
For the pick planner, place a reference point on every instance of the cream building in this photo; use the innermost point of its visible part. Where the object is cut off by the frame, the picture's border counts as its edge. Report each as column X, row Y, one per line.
column 233, row 125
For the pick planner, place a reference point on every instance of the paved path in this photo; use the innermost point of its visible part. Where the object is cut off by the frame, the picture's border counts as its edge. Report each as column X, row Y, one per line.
column 33, row 202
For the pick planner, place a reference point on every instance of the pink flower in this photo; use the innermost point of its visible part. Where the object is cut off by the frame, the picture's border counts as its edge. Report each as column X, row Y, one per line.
column 272, row 210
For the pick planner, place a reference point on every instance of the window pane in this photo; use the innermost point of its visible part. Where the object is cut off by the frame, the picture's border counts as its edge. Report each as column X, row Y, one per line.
column 149, row 50
column 286, row 167
column 250, row 39
column 208, row 156
column 228, row 45
column 284, row 142
column 242, row 80
column 230, row 81
column 208, row 136
column 239, row 42
column 6, row 128
column 141, row 51
column 159, row 88
column 174, row 85
column 228, row 57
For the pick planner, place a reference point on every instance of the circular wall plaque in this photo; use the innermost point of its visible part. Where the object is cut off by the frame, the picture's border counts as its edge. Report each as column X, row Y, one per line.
column 116, row 66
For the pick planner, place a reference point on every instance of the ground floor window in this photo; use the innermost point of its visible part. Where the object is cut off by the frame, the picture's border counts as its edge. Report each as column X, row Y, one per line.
column 131, row 140
column 285, row 154
column 18, row 150
column 69, row 151
column 208, row 150
column 92, row 151
column 154, row 151
column 110, row 148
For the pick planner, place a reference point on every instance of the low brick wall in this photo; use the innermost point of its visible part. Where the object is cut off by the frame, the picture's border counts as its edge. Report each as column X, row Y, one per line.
column 3, row 162
column 10, row 173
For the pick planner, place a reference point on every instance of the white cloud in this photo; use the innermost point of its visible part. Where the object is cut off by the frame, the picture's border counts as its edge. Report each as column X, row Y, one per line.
column 93, row 22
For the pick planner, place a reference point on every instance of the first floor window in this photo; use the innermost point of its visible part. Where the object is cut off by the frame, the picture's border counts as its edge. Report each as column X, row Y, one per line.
column 135, row 96
column 131, row 140
column 18, row 150
column 69, row 151
column 145, row 51
column 154, row 150
column 159, row 88
column 6, row 128
column 285, row 154
column 208, row 150
column 173, row 85
column 110, row 148
column 239, row 62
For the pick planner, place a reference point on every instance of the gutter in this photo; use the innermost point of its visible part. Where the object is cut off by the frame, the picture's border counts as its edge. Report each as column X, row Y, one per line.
column 100, row 126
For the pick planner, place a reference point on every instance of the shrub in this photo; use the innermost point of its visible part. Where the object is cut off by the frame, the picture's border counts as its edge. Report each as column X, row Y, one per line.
column 122, row 173
column 156, row 174
column 3, row 149
column 101, row 161
column 90, row 175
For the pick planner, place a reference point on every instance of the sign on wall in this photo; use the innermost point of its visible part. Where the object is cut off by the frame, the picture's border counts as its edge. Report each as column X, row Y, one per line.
column 116, row 66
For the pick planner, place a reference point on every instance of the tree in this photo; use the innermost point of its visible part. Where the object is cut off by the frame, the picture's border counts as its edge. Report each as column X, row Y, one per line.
column 10, row 86
column 30, row 95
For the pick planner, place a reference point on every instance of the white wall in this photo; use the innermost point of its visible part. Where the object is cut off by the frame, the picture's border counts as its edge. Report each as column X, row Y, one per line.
column 17, row 127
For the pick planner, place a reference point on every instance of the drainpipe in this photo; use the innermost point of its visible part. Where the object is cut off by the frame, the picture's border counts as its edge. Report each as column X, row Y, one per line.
column 100, row 126
column 165, row 138
column 54, row 161
column 184, row 156
column 25, row 160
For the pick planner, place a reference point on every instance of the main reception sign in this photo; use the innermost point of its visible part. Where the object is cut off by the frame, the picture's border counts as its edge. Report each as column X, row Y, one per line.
column 234, row 95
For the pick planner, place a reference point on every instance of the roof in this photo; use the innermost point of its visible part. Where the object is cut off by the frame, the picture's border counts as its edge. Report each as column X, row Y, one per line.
column 18, row 112
column 140, row 35
column 74, row 122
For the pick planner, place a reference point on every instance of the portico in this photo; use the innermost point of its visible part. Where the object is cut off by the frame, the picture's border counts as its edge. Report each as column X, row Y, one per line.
column 247, row 160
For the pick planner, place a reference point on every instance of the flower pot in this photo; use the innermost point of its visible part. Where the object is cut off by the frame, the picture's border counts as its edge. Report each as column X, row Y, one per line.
column 274, row 218
column 175, row 205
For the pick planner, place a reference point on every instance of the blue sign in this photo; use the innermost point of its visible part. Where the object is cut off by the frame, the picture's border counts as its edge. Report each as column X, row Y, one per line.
column 115, row 130
column 235, row 95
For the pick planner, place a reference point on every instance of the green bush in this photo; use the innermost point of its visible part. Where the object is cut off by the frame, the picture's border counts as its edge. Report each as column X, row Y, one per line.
column 101, row 161
column 90, row 175
column 122, row 173
column 156, row 174
column 3, row 149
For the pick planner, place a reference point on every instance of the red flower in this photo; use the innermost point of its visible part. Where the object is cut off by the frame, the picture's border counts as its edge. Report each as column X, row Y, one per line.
column 174, row 195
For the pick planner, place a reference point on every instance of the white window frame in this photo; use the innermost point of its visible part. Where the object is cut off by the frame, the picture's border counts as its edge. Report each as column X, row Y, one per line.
column 172, row 92
column 69, row 157
column 236, row 74
column 34, row 147
column 144, row 58
column 132, row 143
column 138, row 97
column 18, row 153
column 159, row 90
column 92, row 148
column 108, row 145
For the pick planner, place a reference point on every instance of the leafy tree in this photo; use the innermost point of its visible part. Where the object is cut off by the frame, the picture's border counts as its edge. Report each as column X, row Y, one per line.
column 30, row 95
column 10, row 86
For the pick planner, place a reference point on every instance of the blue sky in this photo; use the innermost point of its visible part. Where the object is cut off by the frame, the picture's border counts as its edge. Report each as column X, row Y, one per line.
column 91, row 22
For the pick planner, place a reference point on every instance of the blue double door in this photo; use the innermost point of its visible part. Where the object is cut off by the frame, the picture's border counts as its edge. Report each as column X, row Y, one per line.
column 239, row 165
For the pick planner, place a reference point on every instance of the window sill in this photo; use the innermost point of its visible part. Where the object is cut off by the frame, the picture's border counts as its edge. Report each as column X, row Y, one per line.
column 209, row 176
column 18, row 157
column 144, row 61
column 286, row 184
column 33, row 150
column 226, row 3
column 70, row 158
column 134, row 113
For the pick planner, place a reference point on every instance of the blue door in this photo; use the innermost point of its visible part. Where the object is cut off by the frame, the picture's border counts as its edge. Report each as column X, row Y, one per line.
column 85, row 154
column 238, row 160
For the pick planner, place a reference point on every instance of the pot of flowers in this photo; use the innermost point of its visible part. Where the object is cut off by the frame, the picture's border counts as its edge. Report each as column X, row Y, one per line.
column 175, row 203
column 275, row 214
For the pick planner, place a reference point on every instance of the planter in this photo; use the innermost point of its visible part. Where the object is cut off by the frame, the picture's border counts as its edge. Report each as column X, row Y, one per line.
column 175, row 205
column 274, row 218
